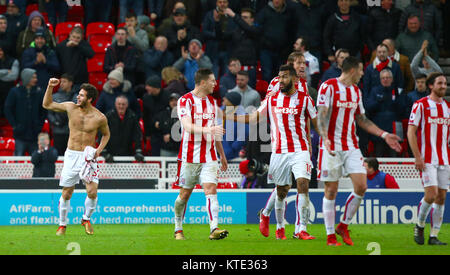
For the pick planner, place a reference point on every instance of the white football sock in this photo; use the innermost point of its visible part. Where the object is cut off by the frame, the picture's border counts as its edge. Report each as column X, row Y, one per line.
column 212, row 208
column 180, row 211
column 89, row 207
column 302, row 212
column 329, row 214
column 64, row 207
column 280, row 206
column 437, row 215
column 424, row 209
column 270, row 203
column 351, row 206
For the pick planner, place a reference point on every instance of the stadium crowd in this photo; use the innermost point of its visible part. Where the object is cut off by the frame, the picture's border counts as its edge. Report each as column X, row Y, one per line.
column 147, row 57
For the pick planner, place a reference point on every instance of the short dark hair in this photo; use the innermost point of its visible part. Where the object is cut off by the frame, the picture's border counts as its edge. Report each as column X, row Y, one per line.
column 288, row 68
column 130, row 14
column 233, row 59
column 350, row 63
column 420, row 76
column 202, row 74
column 91, row 91
column 249, row 10
column 244, row 73
column 305, row 42
column 372, row 163
column 67, row 76
column 432, row 77
column 122, row 28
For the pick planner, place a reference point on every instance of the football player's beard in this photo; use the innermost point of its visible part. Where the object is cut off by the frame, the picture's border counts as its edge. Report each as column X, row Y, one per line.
column 287, row 88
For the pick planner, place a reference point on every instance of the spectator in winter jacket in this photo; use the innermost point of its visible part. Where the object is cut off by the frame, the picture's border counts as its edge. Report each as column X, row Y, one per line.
column 180, row 33
column 343, row 30
column 73, row 54
column 410, row 41
column 154, row 101
column 126, row 134
column 24, row 112
column 59, row 122
column 377, row 178
column 335, row 69
column 382, row 23
column 122, row 54
column 7, row 39
column 218, row 47
column 26, row 37
column 115, row 86
column 384, row 106
column 371, row 76
column 42, row 58
column 244, row 39
column 17, row 22
column 309, row 21
column 168, row 123
column 9, row 72
column 44, row 158
column 228, row 80
column 157, row 58
column 419, row 92
column 429, row 15
column 136, row 36
column 191, row 61
column 275, row 21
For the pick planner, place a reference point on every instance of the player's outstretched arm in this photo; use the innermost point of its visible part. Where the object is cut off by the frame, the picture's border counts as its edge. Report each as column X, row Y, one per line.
column 412, row 140
column 48, row 103
column 370, row 127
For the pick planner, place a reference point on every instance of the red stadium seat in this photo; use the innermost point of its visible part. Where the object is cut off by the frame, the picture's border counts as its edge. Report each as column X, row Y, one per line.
column 98, row 79
column 30, row 8
column 104, row 30
column 261, row 87
column 100, row 45
column 7, row 146
column 63, row 29
column 46, row 127
column 95, row 64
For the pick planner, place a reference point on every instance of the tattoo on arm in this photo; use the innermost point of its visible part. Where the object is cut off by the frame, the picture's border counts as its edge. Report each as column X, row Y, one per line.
column 322, row 123
column 364, row 122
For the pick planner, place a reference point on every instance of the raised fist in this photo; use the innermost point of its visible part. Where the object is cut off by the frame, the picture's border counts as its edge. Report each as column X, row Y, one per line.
column 53, row 82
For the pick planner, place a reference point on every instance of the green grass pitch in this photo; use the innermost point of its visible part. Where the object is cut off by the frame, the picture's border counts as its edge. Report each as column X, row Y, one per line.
column 243, row 240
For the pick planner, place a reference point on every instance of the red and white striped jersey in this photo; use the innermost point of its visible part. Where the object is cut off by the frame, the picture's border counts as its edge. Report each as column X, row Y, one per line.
column 274, row 85
column 433, row 122
column 198, row 148
column 288, row 116
column 343, row 104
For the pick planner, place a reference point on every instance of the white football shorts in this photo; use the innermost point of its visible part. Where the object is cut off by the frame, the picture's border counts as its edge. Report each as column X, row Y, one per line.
column 332, row 168
column 436, row 175
column 281, row 166
column 198, row 173
column 73, row 162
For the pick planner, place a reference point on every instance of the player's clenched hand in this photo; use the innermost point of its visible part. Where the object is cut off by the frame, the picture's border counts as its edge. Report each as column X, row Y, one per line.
column 393, row 142
column 53, row 82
